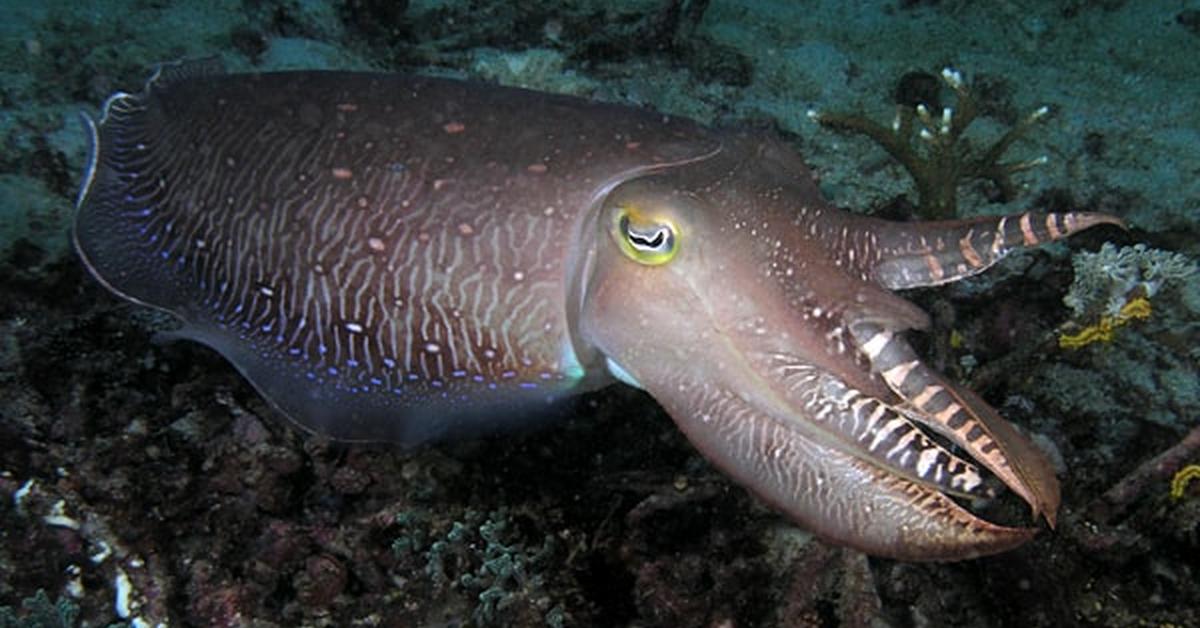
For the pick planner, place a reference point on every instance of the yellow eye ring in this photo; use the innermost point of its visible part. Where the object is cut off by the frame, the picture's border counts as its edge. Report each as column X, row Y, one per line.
column 650, row 242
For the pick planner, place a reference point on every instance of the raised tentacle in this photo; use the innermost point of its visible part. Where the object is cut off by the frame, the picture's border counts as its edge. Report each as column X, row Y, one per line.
column 911, row 255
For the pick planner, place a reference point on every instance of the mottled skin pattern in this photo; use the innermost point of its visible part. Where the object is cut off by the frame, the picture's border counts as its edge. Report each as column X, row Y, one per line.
column 400, row 258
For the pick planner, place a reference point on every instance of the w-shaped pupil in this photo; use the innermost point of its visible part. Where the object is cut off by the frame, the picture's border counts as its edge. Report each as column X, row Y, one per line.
column 649, row 243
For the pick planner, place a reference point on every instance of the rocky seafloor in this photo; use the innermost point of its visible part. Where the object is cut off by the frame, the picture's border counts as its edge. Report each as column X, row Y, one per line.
column 146, row 483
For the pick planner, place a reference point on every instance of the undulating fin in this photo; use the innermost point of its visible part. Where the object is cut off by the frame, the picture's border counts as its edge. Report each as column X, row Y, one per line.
column 125, row 144
column 962, row 417
column 910, row 255
column 123, row 103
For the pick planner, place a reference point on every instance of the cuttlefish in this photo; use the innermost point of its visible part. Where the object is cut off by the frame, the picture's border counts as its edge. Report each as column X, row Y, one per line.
column 407, row 259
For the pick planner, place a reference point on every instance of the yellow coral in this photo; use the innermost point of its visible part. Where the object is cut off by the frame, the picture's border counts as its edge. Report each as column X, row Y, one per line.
column 1100, row 332
column 1180, row 481
column 1138, row 308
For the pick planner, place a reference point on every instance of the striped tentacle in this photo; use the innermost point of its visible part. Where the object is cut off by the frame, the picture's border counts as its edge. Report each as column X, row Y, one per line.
column 936, row 253
column 961, row 417
column 884, row 433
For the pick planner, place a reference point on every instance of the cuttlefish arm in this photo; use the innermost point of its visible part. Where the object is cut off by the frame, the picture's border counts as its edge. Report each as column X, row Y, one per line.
column 900, row 256
column 779, row 353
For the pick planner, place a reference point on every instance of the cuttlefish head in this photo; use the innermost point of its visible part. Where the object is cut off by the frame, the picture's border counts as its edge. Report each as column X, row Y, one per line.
column 781, row 359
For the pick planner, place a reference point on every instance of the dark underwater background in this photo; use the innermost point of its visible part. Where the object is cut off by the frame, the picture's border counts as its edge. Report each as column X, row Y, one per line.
column 147, row 484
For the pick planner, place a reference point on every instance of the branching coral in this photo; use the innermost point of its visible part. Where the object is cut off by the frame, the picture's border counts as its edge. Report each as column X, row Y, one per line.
column 929, row 141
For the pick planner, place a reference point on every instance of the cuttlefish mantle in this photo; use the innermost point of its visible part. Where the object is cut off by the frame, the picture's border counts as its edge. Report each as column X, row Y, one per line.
column 402, row 258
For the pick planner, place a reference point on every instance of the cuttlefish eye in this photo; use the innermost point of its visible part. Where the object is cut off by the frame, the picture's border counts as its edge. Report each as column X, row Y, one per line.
column 645, row 240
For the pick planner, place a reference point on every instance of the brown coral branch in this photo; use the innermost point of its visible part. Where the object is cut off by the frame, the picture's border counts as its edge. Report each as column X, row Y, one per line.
column 928, row 140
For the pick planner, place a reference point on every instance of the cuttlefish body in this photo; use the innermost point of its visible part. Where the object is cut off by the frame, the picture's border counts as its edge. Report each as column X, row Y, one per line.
column 400, row 258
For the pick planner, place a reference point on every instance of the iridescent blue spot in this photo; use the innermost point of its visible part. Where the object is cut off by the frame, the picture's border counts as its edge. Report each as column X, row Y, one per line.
column 478, row 378
column 279, row 339
column 508, row 374
column 376, row 381
column 545, row 376
column 237, row 309
column 294, row 351
column 265, row 327
column 332, row 370
column 398, row 391
column 321, row 349
column 351, row 363
column 528, row 385
column 436, row 383
column 412, row 377
column 145, row 211
column 165, row 255
column 310, row 375
column 458, row 373
column 390, row 363
column 492, row 385
column 153, row 238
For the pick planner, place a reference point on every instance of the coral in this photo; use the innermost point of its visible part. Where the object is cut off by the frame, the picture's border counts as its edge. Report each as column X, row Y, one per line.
column 1105, row 281
column 1145, row 377
column 1116, row 284
column 40, row 612
column 929, row 140
column 483, row 555
column 1138, row 308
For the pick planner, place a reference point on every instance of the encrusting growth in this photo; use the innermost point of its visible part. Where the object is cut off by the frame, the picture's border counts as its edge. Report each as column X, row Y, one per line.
column 1138, row 308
